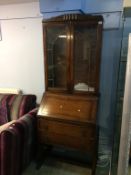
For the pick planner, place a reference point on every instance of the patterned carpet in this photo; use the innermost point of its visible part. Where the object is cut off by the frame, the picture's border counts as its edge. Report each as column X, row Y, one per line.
column 52, row 166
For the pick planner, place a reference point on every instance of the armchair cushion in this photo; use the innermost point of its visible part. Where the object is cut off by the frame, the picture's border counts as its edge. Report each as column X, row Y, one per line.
column 14, row 106
column 20, row 105
column 3, row 115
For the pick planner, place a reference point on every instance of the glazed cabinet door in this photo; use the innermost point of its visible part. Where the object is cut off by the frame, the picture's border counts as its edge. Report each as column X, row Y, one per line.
column 56, row 49
column 86, row 56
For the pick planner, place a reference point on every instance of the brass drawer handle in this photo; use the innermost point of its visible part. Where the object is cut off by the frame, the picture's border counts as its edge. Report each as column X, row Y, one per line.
column 78, row 110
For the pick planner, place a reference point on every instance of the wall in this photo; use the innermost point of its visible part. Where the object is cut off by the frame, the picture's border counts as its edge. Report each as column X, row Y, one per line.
column 127, row 3
column 21, row 51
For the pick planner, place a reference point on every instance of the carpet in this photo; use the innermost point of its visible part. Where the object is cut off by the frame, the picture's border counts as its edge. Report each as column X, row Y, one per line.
column 129, row 171
column 52, row 166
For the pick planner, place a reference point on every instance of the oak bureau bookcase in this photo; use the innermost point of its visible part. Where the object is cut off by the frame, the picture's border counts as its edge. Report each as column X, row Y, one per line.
column 67, row 113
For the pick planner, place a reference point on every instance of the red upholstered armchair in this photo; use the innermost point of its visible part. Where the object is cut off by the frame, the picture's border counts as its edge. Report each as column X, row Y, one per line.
column 17, row 132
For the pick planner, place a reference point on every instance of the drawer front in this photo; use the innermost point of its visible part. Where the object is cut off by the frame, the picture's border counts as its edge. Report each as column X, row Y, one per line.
column 69, row 107
column 65, row 134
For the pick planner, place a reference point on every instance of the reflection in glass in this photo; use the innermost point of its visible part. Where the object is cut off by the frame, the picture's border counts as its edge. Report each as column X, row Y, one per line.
column 85, row 59
column 56, row 55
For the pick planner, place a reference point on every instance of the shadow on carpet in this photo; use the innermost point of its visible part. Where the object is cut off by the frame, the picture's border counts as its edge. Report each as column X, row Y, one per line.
column 52, row 166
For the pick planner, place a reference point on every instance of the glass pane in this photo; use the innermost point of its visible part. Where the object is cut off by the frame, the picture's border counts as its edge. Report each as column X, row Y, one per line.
column 120, row 96
column 56, row 56
column 85, row 59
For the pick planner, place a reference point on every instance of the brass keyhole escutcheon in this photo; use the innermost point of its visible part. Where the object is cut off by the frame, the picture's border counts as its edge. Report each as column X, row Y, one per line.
column 61, row 106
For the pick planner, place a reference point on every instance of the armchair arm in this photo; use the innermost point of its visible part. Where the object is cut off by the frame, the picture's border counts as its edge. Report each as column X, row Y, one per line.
column 9, row 150
column 17, row 144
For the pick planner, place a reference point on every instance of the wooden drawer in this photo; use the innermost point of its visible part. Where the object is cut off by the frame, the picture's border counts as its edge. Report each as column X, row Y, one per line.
column 66, row 134
column 70, row 107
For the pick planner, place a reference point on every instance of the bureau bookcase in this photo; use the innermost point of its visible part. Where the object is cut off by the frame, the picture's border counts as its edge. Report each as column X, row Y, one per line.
column 67, row 116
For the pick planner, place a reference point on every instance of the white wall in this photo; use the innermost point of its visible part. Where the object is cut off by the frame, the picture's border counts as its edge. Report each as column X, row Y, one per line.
column 21, row 48
column 127, row 3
